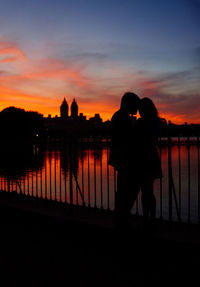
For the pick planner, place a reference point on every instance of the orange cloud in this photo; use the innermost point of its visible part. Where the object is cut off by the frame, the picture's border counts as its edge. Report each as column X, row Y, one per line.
column 10, row 52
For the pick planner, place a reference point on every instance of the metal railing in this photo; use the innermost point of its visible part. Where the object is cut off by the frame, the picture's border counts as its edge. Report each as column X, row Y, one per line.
column 78, row 174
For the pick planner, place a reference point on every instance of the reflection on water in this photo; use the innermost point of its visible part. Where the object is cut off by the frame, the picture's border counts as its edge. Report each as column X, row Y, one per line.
column 77, row 173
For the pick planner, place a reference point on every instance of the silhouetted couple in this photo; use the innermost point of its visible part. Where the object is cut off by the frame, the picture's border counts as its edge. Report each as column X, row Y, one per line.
column 134, row 155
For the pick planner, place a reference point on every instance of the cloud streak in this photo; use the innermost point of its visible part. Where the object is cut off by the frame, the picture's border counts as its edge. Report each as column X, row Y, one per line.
column 10, row 52
column 96, row 81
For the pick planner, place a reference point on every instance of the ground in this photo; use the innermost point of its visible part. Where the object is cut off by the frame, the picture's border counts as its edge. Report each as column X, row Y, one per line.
column 43, row 251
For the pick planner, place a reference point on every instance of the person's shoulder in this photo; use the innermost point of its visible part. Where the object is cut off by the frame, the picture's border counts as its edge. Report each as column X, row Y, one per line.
column 116, row 116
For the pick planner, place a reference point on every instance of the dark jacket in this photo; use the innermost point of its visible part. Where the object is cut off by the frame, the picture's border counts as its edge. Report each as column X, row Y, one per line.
column 123, row 150
column 149, row 163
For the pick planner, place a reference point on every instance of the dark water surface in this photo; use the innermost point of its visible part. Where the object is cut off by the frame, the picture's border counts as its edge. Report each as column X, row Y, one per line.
column 78, row 173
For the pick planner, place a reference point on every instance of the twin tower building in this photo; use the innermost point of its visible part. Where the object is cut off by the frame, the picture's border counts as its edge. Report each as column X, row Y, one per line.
column 64, row 109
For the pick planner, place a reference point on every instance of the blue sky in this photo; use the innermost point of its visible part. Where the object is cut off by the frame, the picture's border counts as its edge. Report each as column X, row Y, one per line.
column 96, row 50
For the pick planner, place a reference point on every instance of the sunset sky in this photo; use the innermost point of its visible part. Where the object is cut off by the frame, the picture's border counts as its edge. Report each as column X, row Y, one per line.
column 95, row 50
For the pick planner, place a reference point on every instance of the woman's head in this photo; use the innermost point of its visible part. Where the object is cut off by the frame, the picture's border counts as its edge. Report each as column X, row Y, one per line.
column 148, row 110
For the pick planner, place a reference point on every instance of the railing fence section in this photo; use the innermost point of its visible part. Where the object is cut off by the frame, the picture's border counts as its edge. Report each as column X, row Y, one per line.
column 77, row 173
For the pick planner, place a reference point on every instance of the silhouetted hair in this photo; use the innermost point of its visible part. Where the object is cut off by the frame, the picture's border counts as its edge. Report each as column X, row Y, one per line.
column 129, row 100
column 148, row 109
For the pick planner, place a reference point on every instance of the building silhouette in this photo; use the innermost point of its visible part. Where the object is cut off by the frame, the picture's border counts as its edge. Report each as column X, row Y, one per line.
column 74, row 123
column 96, row 119
column 74, row 110
column 64, row 109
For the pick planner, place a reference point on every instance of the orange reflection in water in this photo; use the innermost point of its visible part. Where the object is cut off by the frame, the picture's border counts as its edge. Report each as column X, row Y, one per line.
column 92, row 177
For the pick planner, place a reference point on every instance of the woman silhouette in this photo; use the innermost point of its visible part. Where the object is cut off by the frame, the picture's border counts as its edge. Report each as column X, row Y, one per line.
column 150, row 165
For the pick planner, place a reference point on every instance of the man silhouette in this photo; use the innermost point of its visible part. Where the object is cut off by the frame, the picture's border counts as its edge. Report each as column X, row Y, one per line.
column 124, row 157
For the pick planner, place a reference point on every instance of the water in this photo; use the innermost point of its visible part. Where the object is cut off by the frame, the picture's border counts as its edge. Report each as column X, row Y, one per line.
column 47, row 175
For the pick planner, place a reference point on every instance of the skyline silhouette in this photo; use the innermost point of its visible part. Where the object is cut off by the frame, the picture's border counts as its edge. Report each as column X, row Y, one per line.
column 71, row 112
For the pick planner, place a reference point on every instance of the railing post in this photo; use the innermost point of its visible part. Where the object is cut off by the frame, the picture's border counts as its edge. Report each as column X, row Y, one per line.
column 88, row 172
column 170, row 178
column 198, row 159
column 95, row 180
column 108, row 176
column 70, row 175
column 101, row 178
column 161, row 188
column 82, row 170
column 179, row 173
column 8, row 184
column 188, row 148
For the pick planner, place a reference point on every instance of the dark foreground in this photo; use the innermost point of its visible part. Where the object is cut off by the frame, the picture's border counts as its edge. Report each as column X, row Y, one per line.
column 37, row 250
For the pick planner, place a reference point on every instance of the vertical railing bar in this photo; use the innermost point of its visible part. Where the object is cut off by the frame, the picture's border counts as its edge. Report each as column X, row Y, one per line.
column 95, row 181
column 28, row 183
column 170, row 178
column 101, row 179
column 32, row 182
column 161, row 193
column 75, row 174
column 8, row 184
column 60, row 177
column 20, row 190
column 50, row 158
column 171, row 185
column 115, row 185
column 198, row 167
column 20, row 181
column 4, row 185
column 65, row 165
column 12, row 185
column 70, row 175
column 179, row 173
column 108, row 177
column 55, row 157
column 45, row 170
column 65, row 179
column 36, row 182
column 41, row 188
column 188, row 146
column 22, row 184
column 88, row 173
column 82, row 172
column 76, row 195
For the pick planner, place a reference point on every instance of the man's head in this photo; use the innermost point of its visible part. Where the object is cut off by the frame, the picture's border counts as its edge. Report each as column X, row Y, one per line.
column 130, row 103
